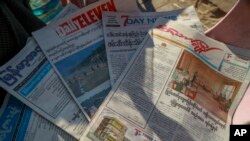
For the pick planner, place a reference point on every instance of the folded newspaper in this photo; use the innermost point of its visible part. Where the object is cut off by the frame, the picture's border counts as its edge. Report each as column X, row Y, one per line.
column 179, row 85
column 124, row 33
column 75, row 47
column 19, row 123
column 31, row 79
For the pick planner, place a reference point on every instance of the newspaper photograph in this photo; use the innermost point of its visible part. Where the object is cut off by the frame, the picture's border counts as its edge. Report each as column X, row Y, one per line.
column 124, row 32
column 31, row 79
column 193, row 77
column 19, row 123
column 75, row 47
column 179, row 85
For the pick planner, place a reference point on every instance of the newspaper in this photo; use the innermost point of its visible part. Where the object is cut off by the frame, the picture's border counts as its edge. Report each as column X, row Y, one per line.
column 179, row 85
column 125, row 31
column 75, row 47
column 241, row 113
column 241, row 52
column 30, row 78
column 18, row 122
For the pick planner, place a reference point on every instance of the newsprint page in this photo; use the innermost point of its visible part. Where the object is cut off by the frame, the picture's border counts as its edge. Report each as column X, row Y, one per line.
column 19, row 123
column 124, row 33
column 31, row 79
column 179, row 85
column 75, row 47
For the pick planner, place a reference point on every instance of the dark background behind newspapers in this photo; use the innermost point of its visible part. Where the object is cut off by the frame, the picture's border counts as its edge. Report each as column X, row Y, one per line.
column 16, row 24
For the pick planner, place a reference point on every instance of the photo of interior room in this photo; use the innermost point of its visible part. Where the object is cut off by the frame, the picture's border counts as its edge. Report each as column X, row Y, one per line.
column 210, row 89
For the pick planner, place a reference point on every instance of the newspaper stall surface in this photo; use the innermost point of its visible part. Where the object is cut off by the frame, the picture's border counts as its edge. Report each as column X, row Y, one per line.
column 19, row 123
column 125, row 31
column 179, row 85
column 75, row 47
column 31, row 79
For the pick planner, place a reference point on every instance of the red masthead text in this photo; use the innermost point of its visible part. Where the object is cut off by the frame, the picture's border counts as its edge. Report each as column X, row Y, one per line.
column 84, row 19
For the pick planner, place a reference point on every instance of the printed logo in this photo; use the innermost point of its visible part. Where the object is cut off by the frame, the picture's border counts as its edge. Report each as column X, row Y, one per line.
column 10, row 74
column 132, row 20
column 239, row 132
column 198, row 45
column 84, row 19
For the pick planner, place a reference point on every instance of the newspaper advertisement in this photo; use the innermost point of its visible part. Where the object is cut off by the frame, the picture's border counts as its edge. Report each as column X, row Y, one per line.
column 19, row 123
column 75, row 47
column 31, row 79
column 125, row 31
column 179, row 85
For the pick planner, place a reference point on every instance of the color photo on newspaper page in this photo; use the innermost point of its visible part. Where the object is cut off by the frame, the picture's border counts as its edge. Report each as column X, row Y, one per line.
column 210, row 89
column 88, row 77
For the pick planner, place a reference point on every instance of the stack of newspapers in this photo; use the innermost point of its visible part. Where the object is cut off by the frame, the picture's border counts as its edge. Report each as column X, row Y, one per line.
column 108, row 72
